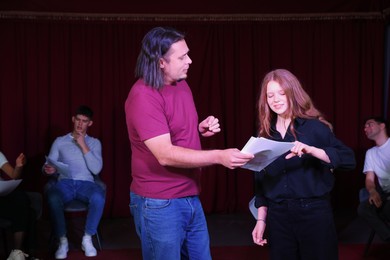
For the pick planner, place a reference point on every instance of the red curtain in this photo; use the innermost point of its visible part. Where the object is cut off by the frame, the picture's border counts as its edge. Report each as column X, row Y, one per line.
column 51, row 64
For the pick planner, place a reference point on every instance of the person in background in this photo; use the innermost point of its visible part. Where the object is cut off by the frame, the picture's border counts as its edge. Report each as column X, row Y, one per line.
column 293, row 196
column 15, row 207
column 76, row 157
column 163, row 129
column 376, row 209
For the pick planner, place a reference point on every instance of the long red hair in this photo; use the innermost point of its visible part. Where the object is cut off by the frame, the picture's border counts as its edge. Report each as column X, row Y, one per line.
column 299, row 103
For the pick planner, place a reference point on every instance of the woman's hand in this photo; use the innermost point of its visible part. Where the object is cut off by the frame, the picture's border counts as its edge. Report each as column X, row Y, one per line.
column 258, row 233
column 21, row 160
column 300, row 149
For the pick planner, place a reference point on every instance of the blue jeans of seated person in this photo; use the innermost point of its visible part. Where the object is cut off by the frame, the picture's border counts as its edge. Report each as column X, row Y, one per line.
column 66, row 190
column 173, row 229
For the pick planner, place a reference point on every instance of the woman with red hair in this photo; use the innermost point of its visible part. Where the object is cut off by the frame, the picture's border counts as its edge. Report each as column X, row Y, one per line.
column 293, row 192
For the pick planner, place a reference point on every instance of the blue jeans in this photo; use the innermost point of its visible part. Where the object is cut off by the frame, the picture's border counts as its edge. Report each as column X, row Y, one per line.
column 66, row 190
column 171, row 229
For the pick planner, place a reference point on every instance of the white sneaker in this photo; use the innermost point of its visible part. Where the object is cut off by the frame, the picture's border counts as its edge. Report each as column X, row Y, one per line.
column 87, row 246
column 63, row 248
column 17, row 254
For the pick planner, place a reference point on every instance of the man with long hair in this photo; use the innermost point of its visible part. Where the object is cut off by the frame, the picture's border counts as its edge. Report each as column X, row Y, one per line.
column 163, row 129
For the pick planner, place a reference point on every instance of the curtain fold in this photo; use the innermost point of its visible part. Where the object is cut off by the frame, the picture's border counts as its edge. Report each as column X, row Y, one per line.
column 50, row 66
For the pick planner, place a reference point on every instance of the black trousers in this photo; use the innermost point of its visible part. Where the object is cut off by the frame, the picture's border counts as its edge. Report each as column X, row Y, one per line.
column 302, row 229
column 16, row 208
column 377, row 218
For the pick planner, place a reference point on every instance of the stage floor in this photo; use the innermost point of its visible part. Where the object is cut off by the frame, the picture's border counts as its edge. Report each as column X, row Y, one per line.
column 224, row 229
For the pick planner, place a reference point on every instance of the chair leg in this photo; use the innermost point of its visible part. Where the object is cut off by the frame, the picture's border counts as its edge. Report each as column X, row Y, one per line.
column 52, row 241
column 98, row 240
column 369, row 241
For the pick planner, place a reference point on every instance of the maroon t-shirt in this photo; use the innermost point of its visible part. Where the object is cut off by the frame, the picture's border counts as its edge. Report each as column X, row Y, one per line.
column 150, row 113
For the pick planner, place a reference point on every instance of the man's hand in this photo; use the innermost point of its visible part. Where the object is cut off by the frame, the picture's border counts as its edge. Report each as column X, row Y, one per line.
column 233, row 158
column 375, row 199
column 79, row 139
column 48, row 169
column 209, row 126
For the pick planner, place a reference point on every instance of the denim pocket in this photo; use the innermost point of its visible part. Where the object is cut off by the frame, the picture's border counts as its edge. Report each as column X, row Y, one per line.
column 157, row 203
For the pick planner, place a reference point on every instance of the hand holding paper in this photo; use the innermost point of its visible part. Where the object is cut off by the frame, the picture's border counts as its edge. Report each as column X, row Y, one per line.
column 265, row 151
column 61, row 167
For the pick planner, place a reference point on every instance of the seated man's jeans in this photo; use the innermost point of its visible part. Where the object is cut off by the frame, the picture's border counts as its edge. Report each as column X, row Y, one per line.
column 66, row 190
column 174, row 229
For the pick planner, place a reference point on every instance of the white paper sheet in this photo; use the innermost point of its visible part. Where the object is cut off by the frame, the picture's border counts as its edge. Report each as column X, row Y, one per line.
column 265, row 152
column 8, row 186
column 61, row 167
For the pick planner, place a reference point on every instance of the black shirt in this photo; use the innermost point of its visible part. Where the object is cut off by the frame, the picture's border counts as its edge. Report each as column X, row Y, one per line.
column 305, row 177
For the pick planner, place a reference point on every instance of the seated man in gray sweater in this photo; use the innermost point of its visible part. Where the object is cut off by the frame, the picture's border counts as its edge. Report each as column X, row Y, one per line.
column 76, row 158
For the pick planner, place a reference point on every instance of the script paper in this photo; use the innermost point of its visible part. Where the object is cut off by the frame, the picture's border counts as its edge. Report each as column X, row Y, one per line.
column 61, row 167
column 8, row 186
column 265, row 152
